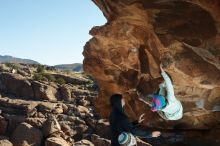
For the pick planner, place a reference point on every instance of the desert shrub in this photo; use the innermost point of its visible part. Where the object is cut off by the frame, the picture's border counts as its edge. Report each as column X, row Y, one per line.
column 40, row 69
column 39, row 77
column 12, row 65
column 50, row 77
column 67, row 71
column 44, row 77
column 51, row 68
column 60, row 81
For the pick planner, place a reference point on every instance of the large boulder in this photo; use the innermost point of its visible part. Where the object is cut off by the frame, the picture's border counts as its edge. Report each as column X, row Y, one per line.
column 4, row 68
column 102, row 128
column 4, row 141
column 13, row 122
column 45, row 107
column 99, row 141
column 83, row 110
column 51, row 127
column 50, row 107
column 3, row 125
column 125, row 54
column 16, row 84
column 45, row 92
column 23, row 73
column 25, row 135
column 56, row 141
column 36, row 122
column 81, row 131
column 66, row 92
column 65, row 127
column 83, row 143
column 18, row 106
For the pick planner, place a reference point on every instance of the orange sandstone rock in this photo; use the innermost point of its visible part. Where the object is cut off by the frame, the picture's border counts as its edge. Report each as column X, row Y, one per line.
column 125, row 54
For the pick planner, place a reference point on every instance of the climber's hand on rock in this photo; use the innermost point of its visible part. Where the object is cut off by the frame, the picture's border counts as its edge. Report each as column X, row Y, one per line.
column 141, row 118
column 156, row 133
column 161, row 68
column 167, row 60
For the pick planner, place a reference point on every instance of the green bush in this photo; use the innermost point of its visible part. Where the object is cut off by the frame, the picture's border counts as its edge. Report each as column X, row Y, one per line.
column 44, row 77
column 50, row 77
column 12, row 65
column 39, row 77
column 67, row 71
column 60, row 81
column 40, row 69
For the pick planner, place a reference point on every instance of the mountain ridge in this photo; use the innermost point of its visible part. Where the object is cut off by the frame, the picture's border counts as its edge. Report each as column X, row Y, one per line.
column 11, row 59
column 71, row 67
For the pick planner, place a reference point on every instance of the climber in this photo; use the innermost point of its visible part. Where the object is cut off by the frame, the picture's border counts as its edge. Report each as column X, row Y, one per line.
column 119, row 122
column 164, row 102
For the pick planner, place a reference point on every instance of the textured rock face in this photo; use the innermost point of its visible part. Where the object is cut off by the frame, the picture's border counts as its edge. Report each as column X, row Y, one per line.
column 84, row 142
column 13, row 83
column 24, row 87
column 100, row 141
column 184, row 35
column 4, row 141
column 25, row 135
column 27, row 120
column 46, row 92
column 3, row 125
column 55, row 141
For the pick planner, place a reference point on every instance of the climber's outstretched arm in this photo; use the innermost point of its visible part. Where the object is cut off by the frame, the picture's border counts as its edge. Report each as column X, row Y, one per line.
column 169, row 86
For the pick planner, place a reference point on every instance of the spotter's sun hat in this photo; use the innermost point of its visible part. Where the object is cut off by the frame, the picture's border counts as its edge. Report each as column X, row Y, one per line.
column 126, row 139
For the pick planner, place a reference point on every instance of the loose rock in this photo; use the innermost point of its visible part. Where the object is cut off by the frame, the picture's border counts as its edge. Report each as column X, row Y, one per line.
column 25, row 135
column 56, row 141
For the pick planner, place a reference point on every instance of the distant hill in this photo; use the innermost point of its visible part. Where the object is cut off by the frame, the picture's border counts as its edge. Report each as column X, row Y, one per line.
column 72, row 67
column 10, row 59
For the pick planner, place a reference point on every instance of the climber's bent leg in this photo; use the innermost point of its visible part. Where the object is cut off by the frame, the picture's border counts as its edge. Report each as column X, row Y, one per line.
column 146, row 99
column 161, row 114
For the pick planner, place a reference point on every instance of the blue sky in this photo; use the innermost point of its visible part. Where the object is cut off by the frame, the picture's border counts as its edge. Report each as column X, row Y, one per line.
column 48, row 31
